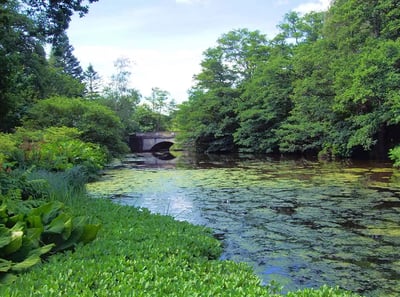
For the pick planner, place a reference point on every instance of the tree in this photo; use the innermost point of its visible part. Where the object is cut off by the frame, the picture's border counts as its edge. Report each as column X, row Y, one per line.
column 161, row 105
column 119, row 96
column 25, row 26
column 266, row 102
column 92, row 82
column 225, row 69
column 53, row 17
column 22, row 64
column 97, row 123
column 62, row 57
column 365, row 59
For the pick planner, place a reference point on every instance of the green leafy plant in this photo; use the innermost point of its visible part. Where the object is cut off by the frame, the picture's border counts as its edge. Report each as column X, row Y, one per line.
column 394, row 155
column 55, row 148
column 97, row 123
column 31, row 229
column 8, row 147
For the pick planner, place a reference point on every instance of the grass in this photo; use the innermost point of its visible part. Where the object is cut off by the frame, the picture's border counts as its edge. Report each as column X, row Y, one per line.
column 138, row 253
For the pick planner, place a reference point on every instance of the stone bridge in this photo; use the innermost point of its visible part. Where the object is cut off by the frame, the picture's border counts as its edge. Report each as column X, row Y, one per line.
column 151, row 141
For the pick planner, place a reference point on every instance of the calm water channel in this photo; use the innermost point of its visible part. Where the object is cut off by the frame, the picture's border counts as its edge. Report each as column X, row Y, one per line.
column 302, row 223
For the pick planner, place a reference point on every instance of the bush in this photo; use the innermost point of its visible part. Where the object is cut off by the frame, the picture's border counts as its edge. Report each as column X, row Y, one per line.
column 8, row 148
column 394, row 155
column 97, row 123
column 55, row 148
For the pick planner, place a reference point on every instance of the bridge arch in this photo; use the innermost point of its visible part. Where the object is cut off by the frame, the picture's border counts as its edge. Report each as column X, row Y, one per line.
column 162, row 146
column 151, row 141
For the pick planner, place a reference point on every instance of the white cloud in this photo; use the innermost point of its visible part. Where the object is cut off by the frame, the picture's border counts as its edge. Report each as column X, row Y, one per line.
column 320, row 5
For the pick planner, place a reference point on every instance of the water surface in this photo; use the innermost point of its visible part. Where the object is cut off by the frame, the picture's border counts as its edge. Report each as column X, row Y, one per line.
column 302, row 223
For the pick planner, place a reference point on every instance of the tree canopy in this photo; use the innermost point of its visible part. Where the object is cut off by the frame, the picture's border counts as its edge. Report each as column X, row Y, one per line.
column 327, row 83
column 26, row 75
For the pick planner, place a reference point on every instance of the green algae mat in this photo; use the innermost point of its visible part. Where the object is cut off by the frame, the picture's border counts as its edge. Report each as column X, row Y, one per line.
column 301, row 223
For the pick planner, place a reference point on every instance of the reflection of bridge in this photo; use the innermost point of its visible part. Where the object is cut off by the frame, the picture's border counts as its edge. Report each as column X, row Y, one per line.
column 151, row 141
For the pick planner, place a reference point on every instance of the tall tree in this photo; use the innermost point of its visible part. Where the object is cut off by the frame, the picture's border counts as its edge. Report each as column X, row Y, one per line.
column 266, row 101
column 225, row 69
column 159, row 104
column 52, row 18
column 92, row 82
column 62, row 57
column 22, row 64
column 120, row 96
column 25, row 26
column 365, row 59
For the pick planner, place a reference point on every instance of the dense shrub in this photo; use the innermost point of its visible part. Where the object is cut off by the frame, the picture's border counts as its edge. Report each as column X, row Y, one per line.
column 394, row 155
column 97, row 123
column 8, row 147
column 55, row 148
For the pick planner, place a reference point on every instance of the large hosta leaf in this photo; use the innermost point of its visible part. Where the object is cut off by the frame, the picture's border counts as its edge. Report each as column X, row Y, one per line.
column 48, row 211
column 5, row 265
column 89, row 232
column 27, row 263
column 3, row 214
column 5, row 236
column 15, row 243
column 58, row 225
column 16, row 236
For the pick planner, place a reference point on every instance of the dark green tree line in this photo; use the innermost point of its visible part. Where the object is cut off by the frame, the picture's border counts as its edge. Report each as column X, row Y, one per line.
column 328, row 83
column 26, row 26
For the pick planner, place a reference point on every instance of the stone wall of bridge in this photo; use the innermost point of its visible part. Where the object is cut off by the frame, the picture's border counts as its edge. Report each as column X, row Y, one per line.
column 151, row 141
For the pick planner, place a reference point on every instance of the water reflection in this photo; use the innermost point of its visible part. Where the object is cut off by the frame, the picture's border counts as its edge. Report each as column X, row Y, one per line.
column 300, row 222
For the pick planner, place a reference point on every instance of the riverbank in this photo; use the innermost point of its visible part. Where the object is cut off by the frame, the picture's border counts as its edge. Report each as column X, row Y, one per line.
column 142, row 254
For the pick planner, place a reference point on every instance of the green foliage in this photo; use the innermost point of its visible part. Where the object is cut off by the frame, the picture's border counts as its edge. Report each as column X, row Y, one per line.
column 208, row 120
column 146, row 120
column 97, row 123
column 394, row 155
column 25, row 74
column 53, row 149
column 8, row 148
column 57, row 148
column 265, row 103
column 30, row 230
column 324, row 291
column 328, row 83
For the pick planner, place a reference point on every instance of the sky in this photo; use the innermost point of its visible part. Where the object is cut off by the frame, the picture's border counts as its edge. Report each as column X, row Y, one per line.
column 165, row 39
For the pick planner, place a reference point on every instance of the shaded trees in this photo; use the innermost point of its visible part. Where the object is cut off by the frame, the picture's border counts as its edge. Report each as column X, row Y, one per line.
column 25, row 27
column 328, row 83
column 213, row 100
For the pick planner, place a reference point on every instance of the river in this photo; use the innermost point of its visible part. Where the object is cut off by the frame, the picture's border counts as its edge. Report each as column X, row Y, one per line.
column 302, row 223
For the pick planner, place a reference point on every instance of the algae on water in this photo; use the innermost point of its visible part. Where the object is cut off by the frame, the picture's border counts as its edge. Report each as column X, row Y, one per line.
column 301, row 223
